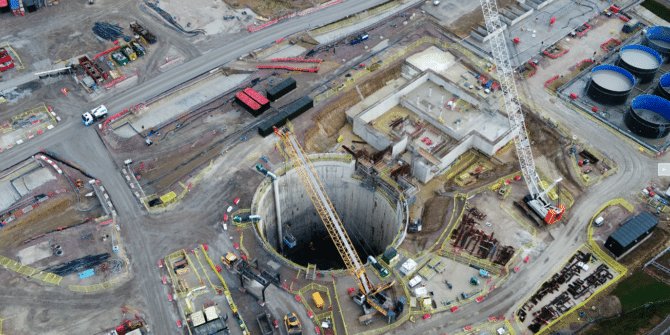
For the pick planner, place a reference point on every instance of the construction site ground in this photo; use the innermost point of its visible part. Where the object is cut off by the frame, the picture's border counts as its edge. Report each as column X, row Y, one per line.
column 59, row 211
column 231, row 176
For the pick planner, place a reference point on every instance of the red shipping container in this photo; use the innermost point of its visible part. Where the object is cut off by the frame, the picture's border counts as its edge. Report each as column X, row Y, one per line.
column 256, row 96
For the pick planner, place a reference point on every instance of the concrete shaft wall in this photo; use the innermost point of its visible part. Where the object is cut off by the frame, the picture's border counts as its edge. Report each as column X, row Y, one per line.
column 370, row 220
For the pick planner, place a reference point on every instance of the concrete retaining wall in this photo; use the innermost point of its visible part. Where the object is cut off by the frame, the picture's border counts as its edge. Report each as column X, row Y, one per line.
column 370, row 220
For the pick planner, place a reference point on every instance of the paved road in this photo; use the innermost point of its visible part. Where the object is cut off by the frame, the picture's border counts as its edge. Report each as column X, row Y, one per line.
column 635, row 170
column 82, row 145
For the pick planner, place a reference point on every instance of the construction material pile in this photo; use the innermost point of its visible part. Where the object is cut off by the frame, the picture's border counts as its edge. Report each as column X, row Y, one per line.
column 173, row 24
column 108, row 31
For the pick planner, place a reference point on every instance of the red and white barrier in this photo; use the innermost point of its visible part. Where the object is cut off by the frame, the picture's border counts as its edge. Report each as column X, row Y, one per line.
column 52, row 163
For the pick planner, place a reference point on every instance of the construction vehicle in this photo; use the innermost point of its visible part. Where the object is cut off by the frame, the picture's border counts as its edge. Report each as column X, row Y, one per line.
column 139, row 30
column 327, row 327
column 139, row 49
column 247, row 218
column 230, row 260
column 382, row 271
column 370, row 295
column 96, row 114
column 537, row 200
column 292, row 324
column 129, row 52
column 261, row 169
column 119, row 58
column 318, row 301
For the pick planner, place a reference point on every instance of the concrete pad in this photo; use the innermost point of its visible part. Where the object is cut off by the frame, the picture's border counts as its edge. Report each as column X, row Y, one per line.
column 450, row 11
column 34, row 253
column 8, row 195
column 37, row 178
column 20, row 186
column 287, row 52
column 181, row 103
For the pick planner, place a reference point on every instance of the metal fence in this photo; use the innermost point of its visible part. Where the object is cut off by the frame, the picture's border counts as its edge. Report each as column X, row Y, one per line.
column 29, row 271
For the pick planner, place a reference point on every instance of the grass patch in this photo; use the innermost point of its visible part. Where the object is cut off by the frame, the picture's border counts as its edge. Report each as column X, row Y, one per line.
column 634, row 291
column 657, row 8
column 639, row 289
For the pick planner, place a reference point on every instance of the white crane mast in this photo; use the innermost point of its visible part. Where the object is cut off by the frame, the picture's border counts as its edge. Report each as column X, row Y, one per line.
column 506, row 77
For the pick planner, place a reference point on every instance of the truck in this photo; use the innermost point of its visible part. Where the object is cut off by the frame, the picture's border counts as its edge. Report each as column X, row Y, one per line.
column 137, row 28
column 247, row 218
column 119, row 58
column 265, row 324
column 139, row 49
column 129, row 52
column 599, row 221
column 292, row 324
column 95, row 114
column 318, row 301
column 265, row 172
column 382, row 271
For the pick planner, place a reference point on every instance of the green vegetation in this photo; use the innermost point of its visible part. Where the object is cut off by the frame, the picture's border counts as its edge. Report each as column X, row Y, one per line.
column 639, row 289
column 657, row 8
column 635, row 291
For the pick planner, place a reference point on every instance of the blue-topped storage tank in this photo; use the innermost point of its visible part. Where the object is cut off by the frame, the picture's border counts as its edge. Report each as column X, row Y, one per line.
column 610, row 85
column 658, row 38
column 663, row 88
column 649, row 116
column 642, row 62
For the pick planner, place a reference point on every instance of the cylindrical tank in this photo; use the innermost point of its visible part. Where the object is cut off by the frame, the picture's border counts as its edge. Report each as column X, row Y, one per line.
column 663, row 88
column 658, row 38
column 649, row 116
column 642, row 62
column 610, row 85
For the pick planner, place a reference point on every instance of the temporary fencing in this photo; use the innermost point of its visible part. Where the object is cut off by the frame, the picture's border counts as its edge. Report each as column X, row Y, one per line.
column 583, row 61
column 229, row 297
column 218, row 289
column 534, row 69
column 29, row 271
column 96, row 287
column 555, row 56
column 611, row 40
column 588, row 27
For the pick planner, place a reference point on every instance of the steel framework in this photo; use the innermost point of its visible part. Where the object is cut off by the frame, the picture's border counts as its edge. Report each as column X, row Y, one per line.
column 324, row 207
column 504, row 67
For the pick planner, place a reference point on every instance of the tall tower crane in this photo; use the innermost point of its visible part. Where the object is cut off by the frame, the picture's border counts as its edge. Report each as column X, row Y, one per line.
column 317, row 193
column 538, row 200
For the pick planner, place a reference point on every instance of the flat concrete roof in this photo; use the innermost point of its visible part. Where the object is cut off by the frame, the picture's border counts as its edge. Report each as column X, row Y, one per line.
column 462, row 119
column 374, row 97
column 432, row 58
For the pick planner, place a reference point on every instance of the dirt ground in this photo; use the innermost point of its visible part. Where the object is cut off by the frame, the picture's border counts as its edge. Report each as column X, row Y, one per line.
column 463, row 26
column 54, row 213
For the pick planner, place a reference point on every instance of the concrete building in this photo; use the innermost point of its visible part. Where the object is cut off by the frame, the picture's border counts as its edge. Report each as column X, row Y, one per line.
column 438, row 112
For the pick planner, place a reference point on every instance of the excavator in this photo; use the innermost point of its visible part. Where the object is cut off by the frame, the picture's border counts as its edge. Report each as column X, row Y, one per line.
column 370, row 294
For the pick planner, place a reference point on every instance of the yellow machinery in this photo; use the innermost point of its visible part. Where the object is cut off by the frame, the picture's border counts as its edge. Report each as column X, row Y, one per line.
column 331, row 220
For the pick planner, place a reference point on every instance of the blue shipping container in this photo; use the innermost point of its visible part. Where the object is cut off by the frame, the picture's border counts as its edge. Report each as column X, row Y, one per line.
column 14, row 4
